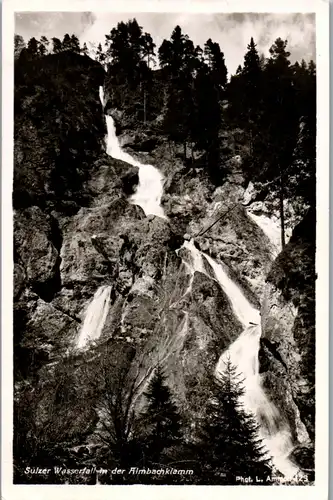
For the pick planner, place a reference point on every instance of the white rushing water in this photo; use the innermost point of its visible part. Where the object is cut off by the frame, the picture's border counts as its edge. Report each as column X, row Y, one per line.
column 271, row 228
column 244, row 311
column 101, row 95
column 244, row 354
column 150, row 188
column 95, row 317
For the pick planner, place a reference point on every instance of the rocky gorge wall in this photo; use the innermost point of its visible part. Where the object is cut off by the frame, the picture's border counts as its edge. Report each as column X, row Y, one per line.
column 64, row 253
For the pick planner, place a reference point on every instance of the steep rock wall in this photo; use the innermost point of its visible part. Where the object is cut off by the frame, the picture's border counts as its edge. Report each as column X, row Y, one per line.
column 287, row 353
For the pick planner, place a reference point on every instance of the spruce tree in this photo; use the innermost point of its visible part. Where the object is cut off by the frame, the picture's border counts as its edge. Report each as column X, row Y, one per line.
column 148, row 49
column 100, row 55
column 127, row 47
column 43, row 44
column 161, row 419
column 252, row 81
column 272, row 150
column 130, row 52
column 303, row 172
column 171, row 53
column 32, row 47
column 245, row 92
column 19, row 45
column 56, row 45
column 180, row 60
column 229, row 442
column 235, row 95
column 206, row 126
column 215, row 59
column 66, row 42
column 180, row 111
column 178, row 56
column 75, row 44
column 85, row 50
column 45, row 41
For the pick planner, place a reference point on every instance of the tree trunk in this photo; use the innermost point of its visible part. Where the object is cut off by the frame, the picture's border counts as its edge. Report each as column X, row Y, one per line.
column 192, row 153
column 185, row 150
column 144, row 106
column 251, row 143
column 281, row 196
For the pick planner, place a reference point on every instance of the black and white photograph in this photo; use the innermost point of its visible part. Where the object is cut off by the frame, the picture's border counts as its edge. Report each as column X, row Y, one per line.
column 164, row 249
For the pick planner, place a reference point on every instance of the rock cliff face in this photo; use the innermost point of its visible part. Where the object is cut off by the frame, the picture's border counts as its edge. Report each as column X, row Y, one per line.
column 288, row 328
column 70, row 245
column 59, row 128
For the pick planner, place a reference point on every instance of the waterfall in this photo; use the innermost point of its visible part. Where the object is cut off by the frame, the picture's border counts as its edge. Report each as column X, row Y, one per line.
column 95, row 316
column 150, row 188
column 101, row 95
column 243, row 353
column 244, row 311
column 272, row 230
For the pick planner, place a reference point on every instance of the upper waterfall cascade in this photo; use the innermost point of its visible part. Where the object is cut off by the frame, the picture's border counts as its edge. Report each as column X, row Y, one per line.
column 150, row 188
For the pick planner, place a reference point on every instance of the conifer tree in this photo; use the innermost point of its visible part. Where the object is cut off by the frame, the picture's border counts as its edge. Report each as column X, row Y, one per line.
column 234, row 95
column 84, row 49
column 100, row 55
column 229, row 441
column 32, row 48
column 44, row 41
column 252, row 90
column 180, row 61
column 262, row 61
column 180, row 115
column 215, row 60
column 19, row 45
column 206, row 126
column 127, row 47
column 171, row 53
column 66, row 42
column 148, row 49
column 252, row 75
column 42, row 46
column 178, row 56
column 245, row 92
column 160, row 418
column 303, row 171
column 279, row 123
column 56, row 45
column 75, row 44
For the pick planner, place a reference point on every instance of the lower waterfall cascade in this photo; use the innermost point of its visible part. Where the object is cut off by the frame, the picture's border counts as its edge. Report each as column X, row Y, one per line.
column 243, row 353
column 95, row 317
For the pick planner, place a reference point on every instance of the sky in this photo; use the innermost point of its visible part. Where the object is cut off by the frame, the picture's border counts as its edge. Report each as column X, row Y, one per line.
column 232, row 31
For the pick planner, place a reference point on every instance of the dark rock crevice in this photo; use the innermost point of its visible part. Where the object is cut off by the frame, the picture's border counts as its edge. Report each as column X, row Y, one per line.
column 269, row 349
